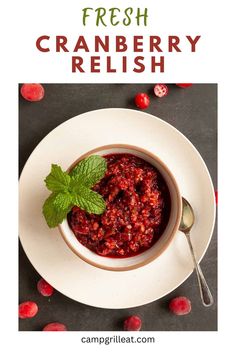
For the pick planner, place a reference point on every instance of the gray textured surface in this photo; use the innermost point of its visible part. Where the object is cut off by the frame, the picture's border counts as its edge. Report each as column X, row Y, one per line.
column 194, row 112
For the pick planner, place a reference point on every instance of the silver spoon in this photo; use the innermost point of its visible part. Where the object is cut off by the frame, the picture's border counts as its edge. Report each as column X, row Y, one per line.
column 186, row 224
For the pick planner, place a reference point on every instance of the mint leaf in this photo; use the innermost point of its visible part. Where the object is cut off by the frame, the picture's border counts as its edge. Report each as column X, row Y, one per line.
column 63, row 200
column 74, row 189
column 90, row 170
column 53, row 211
column 57, row 180
column 89, row 200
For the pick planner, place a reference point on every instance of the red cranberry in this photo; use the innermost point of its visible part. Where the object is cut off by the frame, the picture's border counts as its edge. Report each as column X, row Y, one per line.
column 55, row 326
column 32, row 92
column 133, row 323
column 28, row 309
column 44, row 288
column 184, row 85
column 160, row 90
column 142, row 100
column 216, row 197
column 180, row 305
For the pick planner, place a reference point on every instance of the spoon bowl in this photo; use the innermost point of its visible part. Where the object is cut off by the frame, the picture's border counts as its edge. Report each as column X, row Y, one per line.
column 186, row 224
column 188, row 218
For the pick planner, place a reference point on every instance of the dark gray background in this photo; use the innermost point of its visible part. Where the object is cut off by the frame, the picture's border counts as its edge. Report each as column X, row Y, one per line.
column 194, row 112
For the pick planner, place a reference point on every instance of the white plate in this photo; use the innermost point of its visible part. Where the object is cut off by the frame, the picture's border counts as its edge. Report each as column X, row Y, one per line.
column 48, row 252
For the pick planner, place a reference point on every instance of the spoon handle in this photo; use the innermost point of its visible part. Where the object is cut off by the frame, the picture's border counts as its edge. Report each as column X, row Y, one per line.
column 205, row 293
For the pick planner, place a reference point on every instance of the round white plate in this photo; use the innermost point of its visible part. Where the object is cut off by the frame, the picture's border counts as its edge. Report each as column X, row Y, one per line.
column 45, row 247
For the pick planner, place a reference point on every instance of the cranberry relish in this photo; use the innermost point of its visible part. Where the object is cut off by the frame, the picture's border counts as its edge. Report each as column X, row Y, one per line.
column 137, row 209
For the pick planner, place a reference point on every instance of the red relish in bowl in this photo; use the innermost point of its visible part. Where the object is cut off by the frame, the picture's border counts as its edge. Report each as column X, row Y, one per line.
column 137, row 209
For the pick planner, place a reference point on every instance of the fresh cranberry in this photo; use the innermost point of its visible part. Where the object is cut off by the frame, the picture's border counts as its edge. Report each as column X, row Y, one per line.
column 184, row 85
column 142, row 100
column 44, row 288
column 216, row 197
column 133, row 323
column 32, row 92
column 55, row 326
column 160, row 90
column 180, row 305
column 28, row 309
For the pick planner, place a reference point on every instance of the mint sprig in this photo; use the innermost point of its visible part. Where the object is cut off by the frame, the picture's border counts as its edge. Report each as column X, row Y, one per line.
column 53, row 213
column 90, row 170
column 57, row 180
column 74, row 188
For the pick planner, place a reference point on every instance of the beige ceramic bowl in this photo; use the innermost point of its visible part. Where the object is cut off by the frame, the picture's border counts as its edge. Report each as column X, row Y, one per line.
column 123, row 264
